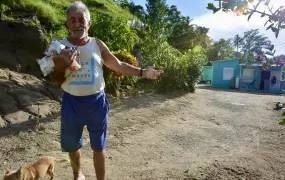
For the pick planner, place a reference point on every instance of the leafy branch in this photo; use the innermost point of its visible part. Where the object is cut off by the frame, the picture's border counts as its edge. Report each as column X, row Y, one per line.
column 276, row 18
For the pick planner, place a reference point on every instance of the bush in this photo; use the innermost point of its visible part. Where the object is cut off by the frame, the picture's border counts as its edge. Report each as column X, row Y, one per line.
column 114, row 32
column 156, row 50
column 4, row 8
column 113, row 79
column 181, row 72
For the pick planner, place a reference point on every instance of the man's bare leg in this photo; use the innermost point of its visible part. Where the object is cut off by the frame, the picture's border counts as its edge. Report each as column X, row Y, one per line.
column 99, row 160
column 76, row 165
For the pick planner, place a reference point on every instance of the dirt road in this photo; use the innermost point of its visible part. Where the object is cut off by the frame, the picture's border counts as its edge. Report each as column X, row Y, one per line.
column 211, row 134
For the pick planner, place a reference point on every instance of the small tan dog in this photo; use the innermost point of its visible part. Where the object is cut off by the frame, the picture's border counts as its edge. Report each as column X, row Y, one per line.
column 44, row 165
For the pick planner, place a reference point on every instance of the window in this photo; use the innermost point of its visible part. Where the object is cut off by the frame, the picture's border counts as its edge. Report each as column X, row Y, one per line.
column 228, row 73
column 247, row 74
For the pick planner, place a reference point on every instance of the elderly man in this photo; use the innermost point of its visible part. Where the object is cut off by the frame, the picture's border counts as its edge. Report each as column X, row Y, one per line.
column 84, row 101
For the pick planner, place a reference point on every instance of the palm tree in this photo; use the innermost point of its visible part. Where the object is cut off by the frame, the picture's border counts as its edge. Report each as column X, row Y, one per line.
column 237, row 41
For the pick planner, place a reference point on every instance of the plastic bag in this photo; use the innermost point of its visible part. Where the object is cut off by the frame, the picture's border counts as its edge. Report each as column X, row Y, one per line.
column 47, row 64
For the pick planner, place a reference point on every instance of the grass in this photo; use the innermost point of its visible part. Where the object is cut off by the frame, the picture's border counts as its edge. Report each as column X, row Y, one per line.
column 282, row 122
column 51, row 13
column 41, row 127
column 43, row 10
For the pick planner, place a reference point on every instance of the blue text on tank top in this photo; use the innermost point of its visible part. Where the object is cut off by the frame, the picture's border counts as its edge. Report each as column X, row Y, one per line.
column 85, row 75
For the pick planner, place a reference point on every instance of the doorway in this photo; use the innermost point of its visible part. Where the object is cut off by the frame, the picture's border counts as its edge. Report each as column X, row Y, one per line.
column 265, row 77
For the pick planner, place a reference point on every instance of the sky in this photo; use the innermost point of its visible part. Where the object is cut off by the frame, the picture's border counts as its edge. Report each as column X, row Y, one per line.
column 224, row 25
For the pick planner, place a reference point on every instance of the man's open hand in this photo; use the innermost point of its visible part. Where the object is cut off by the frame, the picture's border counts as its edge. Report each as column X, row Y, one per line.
column 152, row 73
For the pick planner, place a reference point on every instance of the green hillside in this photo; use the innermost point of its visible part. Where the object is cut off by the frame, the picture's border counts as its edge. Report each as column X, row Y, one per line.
column 51, row 13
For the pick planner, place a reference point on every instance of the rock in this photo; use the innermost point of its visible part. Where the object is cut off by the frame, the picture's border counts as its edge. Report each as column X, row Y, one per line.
column 17, row 117
column 8, row 104
column 29, row 100
column 21, row 94
column 25, row 80
column 2, row 122
column 26, row 97
column 35, row 84
column 21, row 44
column 55, row 92
column 4, row 76
column 47, row 108
column 8, row 59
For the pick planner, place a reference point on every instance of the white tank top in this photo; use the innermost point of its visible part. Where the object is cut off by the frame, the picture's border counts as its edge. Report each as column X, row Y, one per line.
column 89, row 78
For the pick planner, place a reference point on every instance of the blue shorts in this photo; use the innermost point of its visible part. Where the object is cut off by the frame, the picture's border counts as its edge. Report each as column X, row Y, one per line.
column 78, row 111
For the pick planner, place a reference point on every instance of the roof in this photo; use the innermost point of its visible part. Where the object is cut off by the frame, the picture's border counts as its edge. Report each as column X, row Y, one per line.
column 223, row 61
column 276, row 65
column 251, row 64
column 258, row 64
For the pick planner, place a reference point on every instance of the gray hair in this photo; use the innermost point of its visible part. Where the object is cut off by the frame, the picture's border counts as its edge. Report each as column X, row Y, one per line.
column 79, row 6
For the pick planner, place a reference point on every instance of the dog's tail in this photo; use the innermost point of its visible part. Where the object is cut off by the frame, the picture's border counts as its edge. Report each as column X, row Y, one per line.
column 61, row 160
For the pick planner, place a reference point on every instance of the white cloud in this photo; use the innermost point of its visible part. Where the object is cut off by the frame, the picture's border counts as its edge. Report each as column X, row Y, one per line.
column 226, row 25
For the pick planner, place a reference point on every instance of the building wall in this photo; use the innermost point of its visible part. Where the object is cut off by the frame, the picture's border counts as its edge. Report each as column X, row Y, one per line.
column 255, row 78
column 218, row 73
column 277, row 72
column 207, row 73
column 268, row 86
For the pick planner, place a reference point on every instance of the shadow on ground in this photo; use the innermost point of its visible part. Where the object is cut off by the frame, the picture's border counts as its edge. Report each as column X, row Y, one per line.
column 25, row 126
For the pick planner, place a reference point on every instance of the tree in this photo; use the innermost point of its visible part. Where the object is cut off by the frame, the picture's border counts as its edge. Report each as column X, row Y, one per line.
column 282, row 56
column 255, row 43
column 201, row 36
column 156, row 10
column 173, row 15
column 136, row 10
column 276, row 18
column 220, row 50
column 237, row 41
column 123, row 3
column 183, row 35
